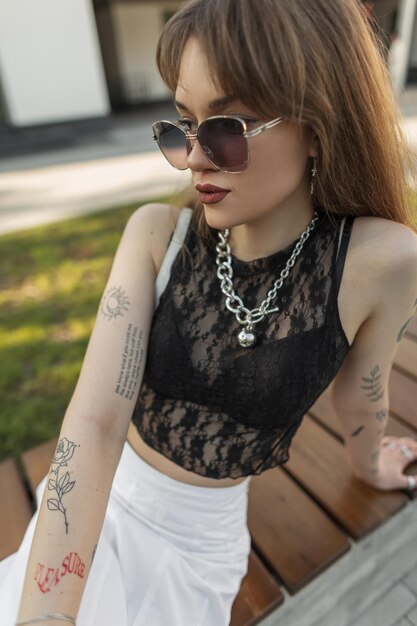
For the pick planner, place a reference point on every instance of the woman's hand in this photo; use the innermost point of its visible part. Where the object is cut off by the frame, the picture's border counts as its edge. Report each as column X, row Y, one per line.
column 396, row 453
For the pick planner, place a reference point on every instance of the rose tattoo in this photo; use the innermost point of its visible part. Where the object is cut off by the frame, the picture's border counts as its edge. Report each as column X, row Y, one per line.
column 61, row 483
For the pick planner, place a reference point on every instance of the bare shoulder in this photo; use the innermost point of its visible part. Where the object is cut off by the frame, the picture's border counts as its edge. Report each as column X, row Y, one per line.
column 388, row 240
column 381, row 262
column 158, row 221
column 387, row 249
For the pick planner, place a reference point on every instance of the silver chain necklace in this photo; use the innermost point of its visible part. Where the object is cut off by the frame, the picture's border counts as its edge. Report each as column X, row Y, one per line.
column 246, row 317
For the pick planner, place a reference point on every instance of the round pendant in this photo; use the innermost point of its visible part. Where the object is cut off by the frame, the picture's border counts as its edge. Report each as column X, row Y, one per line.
column 247, row 338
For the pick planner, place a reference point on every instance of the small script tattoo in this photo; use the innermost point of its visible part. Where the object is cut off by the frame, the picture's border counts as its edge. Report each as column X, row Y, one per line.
column 403, row 329
column 60, row 481
column 357, row 431
column 132, row 359
column 373, row 385
column 382, row 415
column 114, row 303
column 48, row 577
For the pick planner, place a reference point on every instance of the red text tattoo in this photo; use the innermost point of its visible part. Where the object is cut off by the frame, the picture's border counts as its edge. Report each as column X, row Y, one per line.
column 47, row 577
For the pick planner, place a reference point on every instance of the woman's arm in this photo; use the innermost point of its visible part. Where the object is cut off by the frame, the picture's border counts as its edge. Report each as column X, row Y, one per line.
column 94, row 430
column 360, row 390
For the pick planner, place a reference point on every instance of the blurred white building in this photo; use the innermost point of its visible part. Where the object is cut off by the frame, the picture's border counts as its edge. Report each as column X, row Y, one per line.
column 64, row 60
column 70, row 60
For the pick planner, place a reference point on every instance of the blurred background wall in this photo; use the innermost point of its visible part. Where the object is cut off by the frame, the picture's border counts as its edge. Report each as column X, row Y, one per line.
column 62, row 61
column 50, row 62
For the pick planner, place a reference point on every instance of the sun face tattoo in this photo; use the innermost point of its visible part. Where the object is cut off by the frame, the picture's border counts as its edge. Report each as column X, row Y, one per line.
column 114, row 303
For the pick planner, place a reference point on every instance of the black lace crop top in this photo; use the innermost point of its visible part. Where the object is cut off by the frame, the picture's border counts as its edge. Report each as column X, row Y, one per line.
column 221, row 410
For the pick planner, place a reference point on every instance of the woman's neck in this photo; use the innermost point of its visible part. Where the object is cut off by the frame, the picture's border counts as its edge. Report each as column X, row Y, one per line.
column 269, row 234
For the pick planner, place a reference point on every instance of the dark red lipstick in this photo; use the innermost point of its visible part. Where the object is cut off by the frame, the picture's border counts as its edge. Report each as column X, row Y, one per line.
column 210, row 194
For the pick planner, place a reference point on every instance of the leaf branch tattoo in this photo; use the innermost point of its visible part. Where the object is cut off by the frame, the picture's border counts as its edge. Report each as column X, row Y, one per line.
column 60, row 482
column 114, row 303
column 373, row 385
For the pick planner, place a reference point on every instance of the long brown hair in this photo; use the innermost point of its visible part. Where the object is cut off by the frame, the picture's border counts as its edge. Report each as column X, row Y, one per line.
column 319, row 64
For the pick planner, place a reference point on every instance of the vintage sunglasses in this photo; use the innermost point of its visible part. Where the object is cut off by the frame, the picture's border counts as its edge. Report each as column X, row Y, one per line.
column 223, row 139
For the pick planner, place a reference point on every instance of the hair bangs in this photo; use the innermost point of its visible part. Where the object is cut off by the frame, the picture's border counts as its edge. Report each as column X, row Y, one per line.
column 239, row 62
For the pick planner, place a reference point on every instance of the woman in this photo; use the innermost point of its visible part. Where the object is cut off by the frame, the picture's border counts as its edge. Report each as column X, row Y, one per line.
column 299, row 268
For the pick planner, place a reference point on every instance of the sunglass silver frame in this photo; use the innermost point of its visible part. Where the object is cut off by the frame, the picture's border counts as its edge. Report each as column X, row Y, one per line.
column 194, row 136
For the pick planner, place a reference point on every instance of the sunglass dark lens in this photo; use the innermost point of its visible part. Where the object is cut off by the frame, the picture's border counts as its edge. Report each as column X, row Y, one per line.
column 172, row 142
column 224, row 143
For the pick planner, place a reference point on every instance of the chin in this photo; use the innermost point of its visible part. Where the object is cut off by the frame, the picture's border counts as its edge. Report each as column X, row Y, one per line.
column 218, row 218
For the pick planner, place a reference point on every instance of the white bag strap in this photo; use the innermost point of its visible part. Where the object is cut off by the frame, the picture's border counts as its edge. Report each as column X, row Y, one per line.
column 172, row 251
column 340, row 235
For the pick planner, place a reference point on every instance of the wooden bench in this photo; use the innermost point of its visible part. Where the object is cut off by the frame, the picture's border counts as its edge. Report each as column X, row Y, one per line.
column 322, row 541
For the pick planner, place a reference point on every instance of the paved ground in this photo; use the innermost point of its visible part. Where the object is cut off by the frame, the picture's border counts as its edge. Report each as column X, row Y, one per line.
column 397, row 607
column 120, row 164
column 103, row 169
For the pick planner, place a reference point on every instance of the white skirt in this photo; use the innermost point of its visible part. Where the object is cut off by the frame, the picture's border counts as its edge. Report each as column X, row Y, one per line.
column 169, row 553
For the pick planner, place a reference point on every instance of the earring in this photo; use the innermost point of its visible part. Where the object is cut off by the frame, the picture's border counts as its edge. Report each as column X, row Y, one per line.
column 313, row 173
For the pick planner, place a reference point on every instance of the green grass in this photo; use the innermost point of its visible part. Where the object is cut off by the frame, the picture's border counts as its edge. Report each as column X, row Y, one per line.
column 51, row 282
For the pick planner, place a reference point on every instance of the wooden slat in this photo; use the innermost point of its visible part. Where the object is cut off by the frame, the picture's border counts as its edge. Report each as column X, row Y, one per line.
column 16, row 509
column 37, row 462
column 259, row 595
column 291, row 531
column 318, row 461
column 405, row 357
